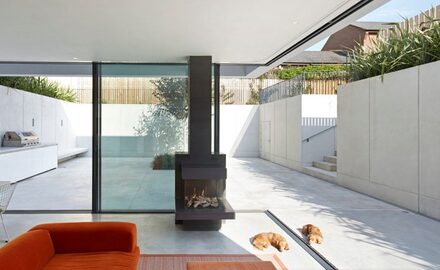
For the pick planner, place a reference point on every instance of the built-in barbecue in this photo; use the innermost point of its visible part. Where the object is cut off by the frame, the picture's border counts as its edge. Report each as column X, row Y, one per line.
column 200, row 175
column 20, row 139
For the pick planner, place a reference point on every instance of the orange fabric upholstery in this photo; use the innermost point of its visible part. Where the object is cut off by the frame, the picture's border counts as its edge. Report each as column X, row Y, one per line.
column 30, row 251
column 82, row 245
column 81, row 237
column 91, row 261
column 263, row 265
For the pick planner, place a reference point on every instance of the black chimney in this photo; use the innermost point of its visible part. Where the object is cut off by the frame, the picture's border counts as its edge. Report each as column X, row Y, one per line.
column 200, row 85
column 199, row 173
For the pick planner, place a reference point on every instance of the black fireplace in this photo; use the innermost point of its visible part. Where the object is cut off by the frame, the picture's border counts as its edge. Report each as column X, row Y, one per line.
column 200, row 175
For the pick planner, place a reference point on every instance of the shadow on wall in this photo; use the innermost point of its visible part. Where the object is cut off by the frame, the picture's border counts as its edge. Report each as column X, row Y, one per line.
column 246, row 142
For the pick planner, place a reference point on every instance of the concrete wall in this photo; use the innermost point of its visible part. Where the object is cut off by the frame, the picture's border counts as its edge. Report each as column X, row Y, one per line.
column 286, row 123
column 388, row 132
column 48, row 117
column 70, row 125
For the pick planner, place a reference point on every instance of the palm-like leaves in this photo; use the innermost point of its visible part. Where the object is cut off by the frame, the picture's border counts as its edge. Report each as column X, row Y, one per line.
column 404, row 48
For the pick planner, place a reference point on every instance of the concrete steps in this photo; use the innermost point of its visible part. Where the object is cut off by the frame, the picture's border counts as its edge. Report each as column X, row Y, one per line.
column 331, row 159
column 328, row 164
column 321, row 174
column 323, row 165
column 325, row 169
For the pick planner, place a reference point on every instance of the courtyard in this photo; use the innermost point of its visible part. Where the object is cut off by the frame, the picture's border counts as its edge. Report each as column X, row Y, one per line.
column 356, row 227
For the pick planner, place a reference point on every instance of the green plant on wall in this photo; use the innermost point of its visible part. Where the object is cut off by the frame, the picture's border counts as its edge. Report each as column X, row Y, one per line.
column 254, row 98
column 289, row 73
column 404, row 48
column 227, row 97
column 39, row 85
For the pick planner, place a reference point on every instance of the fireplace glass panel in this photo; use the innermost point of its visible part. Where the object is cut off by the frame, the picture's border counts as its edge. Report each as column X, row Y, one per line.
column 203, row 193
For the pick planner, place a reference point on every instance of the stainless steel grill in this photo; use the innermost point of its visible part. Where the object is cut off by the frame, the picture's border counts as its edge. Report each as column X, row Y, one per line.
column 20, row 139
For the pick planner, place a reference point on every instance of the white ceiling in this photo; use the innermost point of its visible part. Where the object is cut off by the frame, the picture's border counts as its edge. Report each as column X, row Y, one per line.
column 232, row 31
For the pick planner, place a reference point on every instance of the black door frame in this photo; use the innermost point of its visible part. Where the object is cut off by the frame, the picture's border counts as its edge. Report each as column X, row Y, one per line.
column 96, row 141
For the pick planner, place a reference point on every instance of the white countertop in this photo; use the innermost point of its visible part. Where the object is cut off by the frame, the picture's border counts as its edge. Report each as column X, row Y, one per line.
column 6, row 150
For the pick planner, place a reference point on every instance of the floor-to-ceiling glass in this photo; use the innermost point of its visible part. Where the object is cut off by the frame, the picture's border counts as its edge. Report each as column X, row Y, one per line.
column 144, row 109
column 46, row 135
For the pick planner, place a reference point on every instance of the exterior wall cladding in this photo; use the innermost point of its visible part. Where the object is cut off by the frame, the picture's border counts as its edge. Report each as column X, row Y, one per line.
column 388, row 144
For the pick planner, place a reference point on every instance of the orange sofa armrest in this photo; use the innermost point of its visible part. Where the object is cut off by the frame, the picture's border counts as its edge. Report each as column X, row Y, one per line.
column 30, row 251
column 81, row 237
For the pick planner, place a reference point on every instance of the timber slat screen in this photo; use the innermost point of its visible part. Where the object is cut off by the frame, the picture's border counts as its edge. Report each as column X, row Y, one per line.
column 322, row 83
column 138, row 90
column 415, row 21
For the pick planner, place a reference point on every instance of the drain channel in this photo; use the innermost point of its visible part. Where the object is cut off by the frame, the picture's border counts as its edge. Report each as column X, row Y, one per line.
column 298, row 239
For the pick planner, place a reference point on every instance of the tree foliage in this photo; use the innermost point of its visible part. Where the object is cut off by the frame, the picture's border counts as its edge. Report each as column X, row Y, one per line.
column 404, row 48
column 172, row 95
column 227, row 97
column 289, row 73
column 39, row 85
column 165, row 123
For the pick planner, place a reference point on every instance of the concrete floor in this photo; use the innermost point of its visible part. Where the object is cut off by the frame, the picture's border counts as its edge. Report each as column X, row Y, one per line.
column 360, row 232
column 157, row 234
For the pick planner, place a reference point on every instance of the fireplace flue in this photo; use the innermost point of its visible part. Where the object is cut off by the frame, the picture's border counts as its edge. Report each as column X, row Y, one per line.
column 200, row 175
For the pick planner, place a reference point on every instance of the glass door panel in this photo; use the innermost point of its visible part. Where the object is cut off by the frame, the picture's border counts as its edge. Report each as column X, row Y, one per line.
column 144, row 111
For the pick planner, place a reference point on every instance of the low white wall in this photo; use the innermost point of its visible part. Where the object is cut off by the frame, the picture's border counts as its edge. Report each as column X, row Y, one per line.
column 286, row 124
column 388, row 132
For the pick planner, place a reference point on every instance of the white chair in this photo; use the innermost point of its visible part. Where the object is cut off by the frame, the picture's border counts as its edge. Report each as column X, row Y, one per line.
column 6, row 191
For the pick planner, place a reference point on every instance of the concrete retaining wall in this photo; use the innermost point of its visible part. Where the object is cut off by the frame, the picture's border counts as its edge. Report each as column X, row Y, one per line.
column 48, row 117
column 388, row 138
column 286, row 123
column 70, row 125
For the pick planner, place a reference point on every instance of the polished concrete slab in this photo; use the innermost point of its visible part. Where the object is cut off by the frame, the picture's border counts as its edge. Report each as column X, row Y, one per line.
column 360, row 232
column 157, row 234
column 68, row 187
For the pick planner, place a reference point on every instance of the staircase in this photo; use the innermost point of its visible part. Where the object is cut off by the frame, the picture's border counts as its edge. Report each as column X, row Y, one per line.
column 325, row 169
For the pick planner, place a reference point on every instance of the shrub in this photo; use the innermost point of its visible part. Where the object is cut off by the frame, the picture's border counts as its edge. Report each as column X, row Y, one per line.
column 39, row 85
column 404, row 48
column 163, row 162
column 289, row 73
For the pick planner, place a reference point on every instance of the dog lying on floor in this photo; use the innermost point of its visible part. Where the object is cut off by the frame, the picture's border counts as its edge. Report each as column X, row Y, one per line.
column 313, row 234
column 264, row 240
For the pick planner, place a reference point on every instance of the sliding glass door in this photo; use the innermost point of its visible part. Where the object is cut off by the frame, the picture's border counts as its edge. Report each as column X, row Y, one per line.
column 144, row 111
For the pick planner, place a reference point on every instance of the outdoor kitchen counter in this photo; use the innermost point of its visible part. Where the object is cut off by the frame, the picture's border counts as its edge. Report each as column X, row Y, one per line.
column 19, row 163
column 5, row 150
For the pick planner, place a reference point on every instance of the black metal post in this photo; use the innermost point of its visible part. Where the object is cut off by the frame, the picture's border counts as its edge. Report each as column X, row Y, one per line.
column 96, row 144
column 216, row 109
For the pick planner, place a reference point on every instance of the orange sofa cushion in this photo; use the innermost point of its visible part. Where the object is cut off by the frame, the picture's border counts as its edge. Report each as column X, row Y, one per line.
column 82, row 245
column 263, row 265
column 82, row 237
column 94, row 261
column 29, row 251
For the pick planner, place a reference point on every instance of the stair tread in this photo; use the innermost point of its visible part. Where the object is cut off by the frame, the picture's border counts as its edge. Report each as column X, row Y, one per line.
column 333, row 174
column 325, row 165
column 325, row 162
column 331, row 159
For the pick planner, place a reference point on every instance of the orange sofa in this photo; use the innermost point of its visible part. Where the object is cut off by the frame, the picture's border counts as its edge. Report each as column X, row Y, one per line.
column 82, row 245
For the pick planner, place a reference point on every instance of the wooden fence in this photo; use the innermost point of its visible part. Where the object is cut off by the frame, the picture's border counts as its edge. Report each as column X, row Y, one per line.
column 138, row 90
column 415, row 21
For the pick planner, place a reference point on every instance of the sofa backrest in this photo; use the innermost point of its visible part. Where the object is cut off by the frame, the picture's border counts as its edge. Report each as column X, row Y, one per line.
column 30, row 251
column 81, row 237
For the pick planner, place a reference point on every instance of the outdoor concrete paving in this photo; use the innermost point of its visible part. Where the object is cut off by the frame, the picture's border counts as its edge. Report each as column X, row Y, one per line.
column 359, row 232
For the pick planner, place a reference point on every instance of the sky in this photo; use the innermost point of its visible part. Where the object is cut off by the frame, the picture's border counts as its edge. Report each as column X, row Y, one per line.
column 393, row 11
